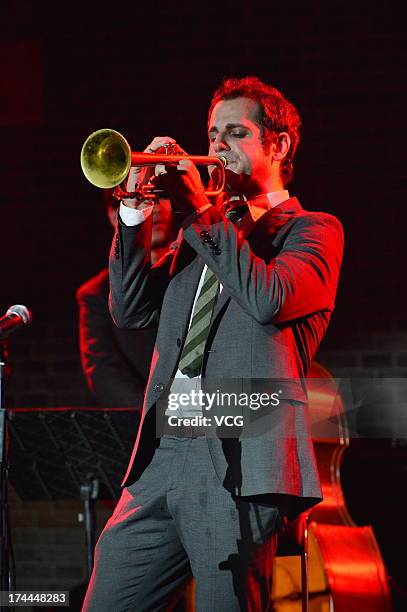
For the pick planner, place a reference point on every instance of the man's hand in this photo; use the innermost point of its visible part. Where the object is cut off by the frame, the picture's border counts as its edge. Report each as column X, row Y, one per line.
column 183, row 185
column 142, row 174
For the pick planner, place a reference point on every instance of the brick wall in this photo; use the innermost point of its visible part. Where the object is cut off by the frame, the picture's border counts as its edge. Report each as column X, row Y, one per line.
column 45, row 367
column 370, row 355
column 49, row 543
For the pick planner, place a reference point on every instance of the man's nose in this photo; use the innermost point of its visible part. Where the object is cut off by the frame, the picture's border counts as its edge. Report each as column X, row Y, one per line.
column 219, row 144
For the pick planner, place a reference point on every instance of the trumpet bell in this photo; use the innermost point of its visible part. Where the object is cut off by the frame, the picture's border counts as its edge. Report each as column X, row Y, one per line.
column 106, row 158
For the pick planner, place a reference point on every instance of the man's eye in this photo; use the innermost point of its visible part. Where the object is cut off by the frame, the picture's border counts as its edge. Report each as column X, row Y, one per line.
column 238, row 134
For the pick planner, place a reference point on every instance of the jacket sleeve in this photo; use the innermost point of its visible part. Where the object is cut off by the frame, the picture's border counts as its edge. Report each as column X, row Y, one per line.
column 136, row 286
column 299, row 280
column 108, row 374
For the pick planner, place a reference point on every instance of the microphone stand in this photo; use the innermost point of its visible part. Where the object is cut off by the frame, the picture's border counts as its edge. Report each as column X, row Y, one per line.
column 6, row 551
column 89, row 493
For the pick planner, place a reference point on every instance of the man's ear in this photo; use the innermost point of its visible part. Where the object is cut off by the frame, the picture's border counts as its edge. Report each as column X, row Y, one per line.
column 281, row 146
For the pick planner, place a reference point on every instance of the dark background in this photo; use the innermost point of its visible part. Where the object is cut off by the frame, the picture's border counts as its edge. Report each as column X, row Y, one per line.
column 149, row 70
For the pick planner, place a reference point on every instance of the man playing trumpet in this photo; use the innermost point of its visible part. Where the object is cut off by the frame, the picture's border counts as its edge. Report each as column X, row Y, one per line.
column 246, row 293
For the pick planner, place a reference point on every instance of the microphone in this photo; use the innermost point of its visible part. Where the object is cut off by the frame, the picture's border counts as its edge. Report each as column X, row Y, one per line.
column 15, row 317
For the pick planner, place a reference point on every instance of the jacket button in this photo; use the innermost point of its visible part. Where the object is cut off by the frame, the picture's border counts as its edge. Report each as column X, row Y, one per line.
column 204, row 234
column 217, row 251
column 179, row 342
column 159, row 387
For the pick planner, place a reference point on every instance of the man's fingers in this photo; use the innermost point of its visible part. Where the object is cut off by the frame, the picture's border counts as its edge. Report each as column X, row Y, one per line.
column 158, row 142
column 179, row 150
column 184, row 165
column 160, row 169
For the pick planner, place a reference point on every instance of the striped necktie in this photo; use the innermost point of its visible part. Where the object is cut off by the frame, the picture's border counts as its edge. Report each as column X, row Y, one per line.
column 191, row 359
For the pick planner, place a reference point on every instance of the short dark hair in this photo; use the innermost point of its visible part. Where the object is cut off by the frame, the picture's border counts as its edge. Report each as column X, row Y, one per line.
column 276, row 115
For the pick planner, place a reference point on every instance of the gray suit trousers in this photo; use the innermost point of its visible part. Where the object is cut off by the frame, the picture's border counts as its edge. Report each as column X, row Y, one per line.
column 178, row 520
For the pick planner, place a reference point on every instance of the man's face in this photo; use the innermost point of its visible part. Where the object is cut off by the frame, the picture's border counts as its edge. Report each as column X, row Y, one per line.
column 234, row 133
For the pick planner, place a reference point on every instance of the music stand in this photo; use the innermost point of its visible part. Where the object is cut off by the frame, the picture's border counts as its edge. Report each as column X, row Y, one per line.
column 71, row 453
column 7, row 577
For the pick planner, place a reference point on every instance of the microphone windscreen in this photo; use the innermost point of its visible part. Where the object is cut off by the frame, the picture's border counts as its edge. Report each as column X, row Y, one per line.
column 21, row 311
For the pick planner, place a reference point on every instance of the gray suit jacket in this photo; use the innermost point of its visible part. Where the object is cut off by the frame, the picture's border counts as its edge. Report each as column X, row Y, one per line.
column 279, row 288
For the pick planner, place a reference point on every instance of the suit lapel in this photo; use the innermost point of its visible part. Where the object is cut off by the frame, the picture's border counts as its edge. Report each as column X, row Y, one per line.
column 189, row 289
column 184, row 255
column 259, row 238
column 223, row 298
column 187, row 282
column 273, row 220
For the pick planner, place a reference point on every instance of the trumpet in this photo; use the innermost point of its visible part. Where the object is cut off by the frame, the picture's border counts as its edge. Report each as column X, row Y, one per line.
column 106, row 159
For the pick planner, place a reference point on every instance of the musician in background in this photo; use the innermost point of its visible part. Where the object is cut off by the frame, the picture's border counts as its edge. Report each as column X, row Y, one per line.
column 116, row 361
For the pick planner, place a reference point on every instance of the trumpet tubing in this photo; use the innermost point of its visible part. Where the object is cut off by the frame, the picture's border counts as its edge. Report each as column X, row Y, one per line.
column 106, row 159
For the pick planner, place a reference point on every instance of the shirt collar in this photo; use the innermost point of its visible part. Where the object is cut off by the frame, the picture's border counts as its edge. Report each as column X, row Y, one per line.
column 258, row 206
column 262, row 203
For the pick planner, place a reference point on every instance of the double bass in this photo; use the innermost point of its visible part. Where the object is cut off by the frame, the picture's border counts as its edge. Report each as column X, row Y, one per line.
column 345, row 567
